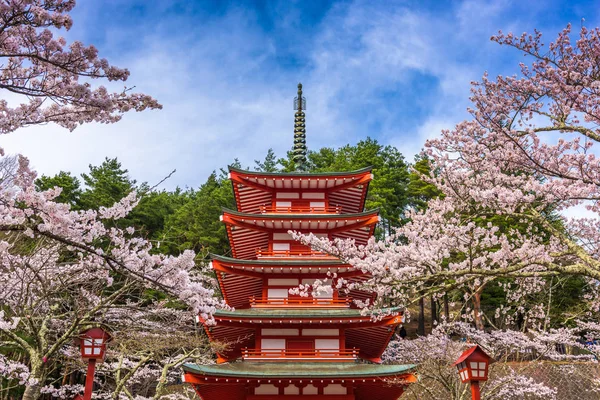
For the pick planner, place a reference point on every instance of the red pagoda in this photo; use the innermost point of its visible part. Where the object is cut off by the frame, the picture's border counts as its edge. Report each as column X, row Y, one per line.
column 285, row 346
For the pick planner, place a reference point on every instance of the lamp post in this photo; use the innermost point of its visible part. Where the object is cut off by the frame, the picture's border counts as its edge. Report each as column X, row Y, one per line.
column 93, row 347
column 472, row 367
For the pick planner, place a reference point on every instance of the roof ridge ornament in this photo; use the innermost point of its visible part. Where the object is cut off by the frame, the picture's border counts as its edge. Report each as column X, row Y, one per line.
column 299, row 151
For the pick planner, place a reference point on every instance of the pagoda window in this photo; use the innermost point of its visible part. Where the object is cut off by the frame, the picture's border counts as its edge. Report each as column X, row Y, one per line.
column 291, row 389
column 317, row 205
column 277, row 293
column 282, row 281
column 266, row 389
column 272, row 344
column 312, row 195
column 310, row 389
column 320, row 332
column 286, row 195
column 278, row 246
column 283, row 205
column 280, row 332
column 334, row 388
column 327, row 344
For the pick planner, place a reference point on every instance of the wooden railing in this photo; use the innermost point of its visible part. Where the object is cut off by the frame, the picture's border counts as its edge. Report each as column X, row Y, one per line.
column 300, row 210
column 292, row 253
column 313, row 355
column 300, row 302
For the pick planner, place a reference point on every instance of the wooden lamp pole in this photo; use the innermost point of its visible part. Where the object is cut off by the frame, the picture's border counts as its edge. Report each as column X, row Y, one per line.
column 93, row 347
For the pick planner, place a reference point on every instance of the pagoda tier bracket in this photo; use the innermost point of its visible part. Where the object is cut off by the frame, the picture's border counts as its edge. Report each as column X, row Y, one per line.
column 351, row 183
column 266, row 273
column 312, row 322
column 357, row 225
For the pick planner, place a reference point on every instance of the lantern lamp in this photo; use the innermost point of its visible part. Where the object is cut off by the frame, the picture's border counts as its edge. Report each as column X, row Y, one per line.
column 93, row 343
column 93, row 348
column 472, row 368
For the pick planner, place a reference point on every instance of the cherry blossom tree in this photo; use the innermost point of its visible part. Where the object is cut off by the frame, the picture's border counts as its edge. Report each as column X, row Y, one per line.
column 63, row 271
column 508, row 379
column 150, row 342
column 520, row 186
column 519, row 208
column 49, row 79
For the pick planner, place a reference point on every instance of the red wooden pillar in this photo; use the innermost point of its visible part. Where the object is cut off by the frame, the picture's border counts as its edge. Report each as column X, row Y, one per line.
column 89, row 379
column 475, row 393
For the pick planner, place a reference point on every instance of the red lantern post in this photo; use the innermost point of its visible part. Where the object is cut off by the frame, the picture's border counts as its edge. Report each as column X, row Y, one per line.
column 472, row 367
column 93, row 347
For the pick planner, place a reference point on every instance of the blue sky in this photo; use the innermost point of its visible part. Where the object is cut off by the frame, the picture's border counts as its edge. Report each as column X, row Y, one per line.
column 226, row 73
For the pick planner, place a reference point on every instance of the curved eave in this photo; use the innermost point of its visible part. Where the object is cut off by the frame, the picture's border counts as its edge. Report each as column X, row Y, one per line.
column 300, row 174
column 251, row 317
column 284, row 262
column 249, row 232
column 304, row 268
column 299, row 370
column 364, row 382
column 238, row 328
column 241, row 279
column 347, row 190
column 368, row 213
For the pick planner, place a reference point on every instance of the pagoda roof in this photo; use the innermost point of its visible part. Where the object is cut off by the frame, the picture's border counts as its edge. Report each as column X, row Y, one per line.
column 239, row 280
column 254, row 189
column 286, row 262
column 252, row 231
column 300, row 174
column 230, row 381
column 345, row 314
column 299, row 369
column 237, row 329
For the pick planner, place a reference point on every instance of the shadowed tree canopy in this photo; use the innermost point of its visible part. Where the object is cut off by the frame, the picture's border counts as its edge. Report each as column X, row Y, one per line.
column 106, row 184
column 71, row 187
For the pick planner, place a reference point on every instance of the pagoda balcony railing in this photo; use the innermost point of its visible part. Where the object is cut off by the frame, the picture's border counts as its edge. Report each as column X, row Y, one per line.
column 312, row 355
column 300, row 210
column 300, row 302
column 309, row 253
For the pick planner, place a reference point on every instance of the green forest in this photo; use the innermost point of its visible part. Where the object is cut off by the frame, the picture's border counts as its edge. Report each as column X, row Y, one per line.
column 188, row 218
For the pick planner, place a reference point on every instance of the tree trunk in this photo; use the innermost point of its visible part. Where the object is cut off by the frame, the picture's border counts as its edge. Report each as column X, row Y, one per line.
column 32, row 392
column 434, row 315
column 446, row 307
column 421, row 327
column 477, row 308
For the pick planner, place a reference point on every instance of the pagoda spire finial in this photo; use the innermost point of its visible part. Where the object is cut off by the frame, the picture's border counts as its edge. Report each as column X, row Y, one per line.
column 299, row 151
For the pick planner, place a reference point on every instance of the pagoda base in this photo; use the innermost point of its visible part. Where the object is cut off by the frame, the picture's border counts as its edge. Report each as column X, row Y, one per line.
column 299, row 381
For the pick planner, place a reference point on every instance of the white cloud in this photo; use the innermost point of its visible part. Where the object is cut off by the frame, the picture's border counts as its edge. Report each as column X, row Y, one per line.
column 226, row 96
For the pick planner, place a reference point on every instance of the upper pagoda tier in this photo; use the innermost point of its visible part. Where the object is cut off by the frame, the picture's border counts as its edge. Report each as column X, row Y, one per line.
column 257, row 235
column 266, row 282
column 300, row 192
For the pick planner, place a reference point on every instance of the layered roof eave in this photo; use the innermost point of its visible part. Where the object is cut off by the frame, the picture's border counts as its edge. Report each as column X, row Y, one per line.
column 278, row 262
column 252, row 231
column 254, row 190
column 299, row 370
column 372, row 212
column 345, row 314
column 298, row 174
